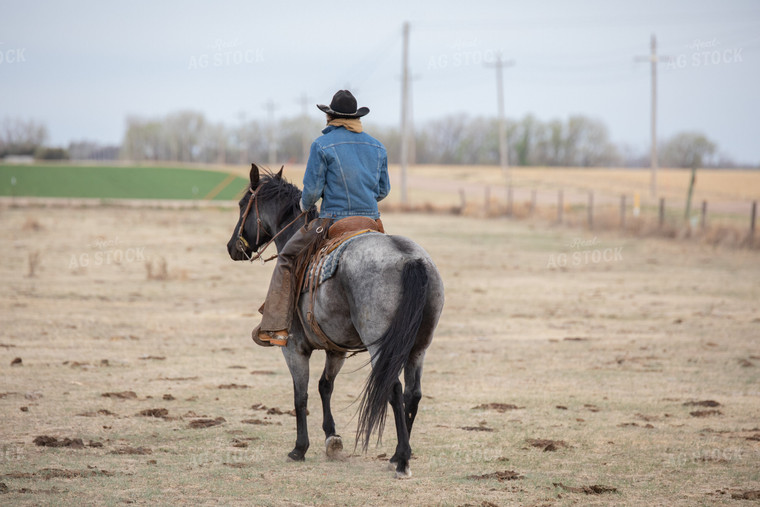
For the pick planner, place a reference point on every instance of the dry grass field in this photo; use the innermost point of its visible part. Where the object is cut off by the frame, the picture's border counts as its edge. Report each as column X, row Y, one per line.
column 569, row 368
column 441, row 184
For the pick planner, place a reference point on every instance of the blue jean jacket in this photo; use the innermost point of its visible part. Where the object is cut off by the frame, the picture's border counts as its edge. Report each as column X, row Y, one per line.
column 348, row 171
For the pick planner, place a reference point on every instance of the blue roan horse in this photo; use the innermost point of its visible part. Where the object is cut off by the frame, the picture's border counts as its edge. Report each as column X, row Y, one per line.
column 386, row 297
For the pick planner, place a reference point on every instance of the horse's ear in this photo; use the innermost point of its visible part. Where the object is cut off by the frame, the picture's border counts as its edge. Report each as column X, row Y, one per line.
column 279, row 173
column 254, row 175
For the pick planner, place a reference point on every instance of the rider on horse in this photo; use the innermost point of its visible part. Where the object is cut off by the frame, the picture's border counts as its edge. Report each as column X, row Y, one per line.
column 348, row 170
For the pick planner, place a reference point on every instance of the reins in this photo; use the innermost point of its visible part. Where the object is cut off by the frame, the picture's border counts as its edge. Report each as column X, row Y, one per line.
column 243, row 244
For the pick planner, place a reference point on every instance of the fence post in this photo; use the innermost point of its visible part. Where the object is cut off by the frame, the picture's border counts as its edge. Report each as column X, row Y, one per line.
column 704, row 216
column 622, row 211
column 662, row 212
column 591, row 209
column 559, row 206
column 752, row 223
column 510, row 200
column 532, row 202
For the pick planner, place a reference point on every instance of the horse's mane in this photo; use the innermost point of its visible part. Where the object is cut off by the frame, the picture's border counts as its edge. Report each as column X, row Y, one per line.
column 277, row 189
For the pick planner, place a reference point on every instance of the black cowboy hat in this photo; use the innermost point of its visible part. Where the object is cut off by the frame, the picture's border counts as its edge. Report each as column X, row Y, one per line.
column 343, row 105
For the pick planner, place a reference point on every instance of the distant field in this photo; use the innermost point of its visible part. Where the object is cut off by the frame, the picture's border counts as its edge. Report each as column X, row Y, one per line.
column 117, row 182
column 729, row 190
column 433, row 184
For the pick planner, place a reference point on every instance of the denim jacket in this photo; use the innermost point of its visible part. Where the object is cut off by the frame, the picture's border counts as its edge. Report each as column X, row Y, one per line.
column 348, row 171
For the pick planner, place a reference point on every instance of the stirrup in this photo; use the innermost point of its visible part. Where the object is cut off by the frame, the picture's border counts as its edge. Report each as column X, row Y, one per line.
column 260, row 338
column 277, row 338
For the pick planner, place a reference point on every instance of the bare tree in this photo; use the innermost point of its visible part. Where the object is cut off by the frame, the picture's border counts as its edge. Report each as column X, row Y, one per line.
column 21, row 137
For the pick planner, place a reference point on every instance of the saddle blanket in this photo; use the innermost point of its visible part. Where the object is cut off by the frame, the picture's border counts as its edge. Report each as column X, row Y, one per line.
column 328, row 264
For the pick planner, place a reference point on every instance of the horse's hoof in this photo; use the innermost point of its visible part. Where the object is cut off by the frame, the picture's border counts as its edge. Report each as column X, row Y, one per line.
column 406, row 474
column 334, row 448
column 296, row 456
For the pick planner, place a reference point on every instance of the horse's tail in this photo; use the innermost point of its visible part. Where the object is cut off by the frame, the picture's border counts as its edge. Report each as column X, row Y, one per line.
column 393, row 353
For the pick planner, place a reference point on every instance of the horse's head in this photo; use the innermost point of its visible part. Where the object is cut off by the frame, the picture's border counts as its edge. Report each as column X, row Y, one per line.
column 268, row 200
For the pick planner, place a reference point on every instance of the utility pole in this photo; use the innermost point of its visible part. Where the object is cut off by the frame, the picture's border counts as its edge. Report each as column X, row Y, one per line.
column 654, row 59
column 270, row 107
column 305, row 144
column 404, row 112
column 503, row 151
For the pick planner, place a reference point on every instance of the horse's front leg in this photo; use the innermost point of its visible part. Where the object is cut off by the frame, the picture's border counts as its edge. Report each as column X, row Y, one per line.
column 333, row 363
column 298, row 364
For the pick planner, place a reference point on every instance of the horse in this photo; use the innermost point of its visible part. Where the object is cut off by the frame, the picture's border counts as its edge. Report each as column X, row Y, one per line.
column 385, row 297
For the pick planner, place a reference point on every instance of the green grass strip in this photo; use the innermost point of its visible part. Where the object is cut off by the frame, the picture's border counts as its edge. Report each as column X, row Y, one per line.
column 117, row 182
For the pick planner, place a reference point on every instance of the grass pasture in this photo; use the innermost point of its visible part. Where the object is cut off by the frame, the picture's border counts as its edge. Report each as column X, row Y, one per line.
column 117, row 182
column 558, row 376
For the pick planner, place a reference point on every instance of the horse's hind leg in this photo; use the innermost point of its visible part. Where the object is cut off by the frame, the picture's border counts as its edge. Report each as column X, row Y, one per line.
column 400, row 459
column 412, row 389
column 412, row 397
column 333, row 364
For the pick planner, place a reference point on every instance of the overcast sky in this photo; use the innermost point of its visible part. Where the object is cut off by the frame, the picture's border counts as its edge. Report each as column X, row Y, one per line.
column 81, row 67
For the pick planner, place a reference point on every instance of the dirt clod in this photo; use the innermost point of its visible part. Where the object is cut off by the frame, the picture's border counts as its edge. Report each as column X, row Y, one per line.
column 746, row 495
column 703, row 403
column 234, row 386
column 132, row 450
column 548, row 445
column 705, row 413
column 17, row 362
column 499, row 407
column 48, row 441
column 123, row 395
column 505, row 475
column 154, row 412
column 102, row 411
column 596, row 489
column 58, row 473
column 257, row 421
column 206, row 423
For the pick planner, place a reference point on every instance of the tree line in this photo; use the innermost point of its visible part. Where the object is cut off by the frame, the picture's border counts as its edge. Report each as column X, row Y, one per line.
column 188, row 136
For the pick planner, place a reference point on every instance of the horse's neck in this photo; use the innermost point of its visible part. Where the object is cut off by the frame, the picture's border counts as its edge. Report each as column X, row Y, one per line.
column 290, row 229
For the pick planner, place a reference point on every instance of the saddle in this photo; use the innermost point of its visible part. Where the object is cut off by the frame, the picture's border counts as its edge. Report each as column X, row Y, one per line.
column 318, row 263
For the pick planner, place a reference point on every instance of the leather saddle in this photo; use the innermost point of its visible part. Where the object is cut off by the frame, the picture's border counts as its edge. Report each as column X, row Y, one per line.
column 322, row 262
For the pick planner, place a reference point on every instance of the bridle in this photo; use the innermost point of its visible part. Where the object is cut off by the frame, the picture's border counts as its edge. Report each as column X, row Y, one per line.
column 242, row 244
